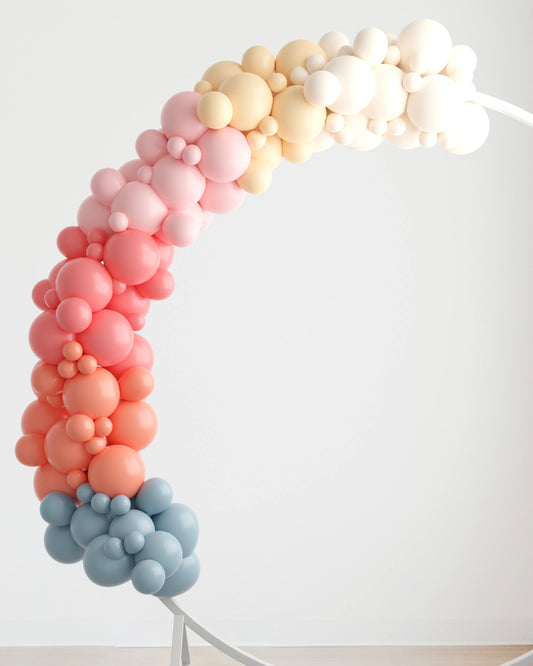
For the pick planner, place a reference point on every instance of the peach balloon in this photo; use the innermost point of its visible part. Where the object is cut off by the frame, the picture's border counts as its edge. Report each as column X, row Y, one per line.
column 134, row 424
column 40, row 417
column 80, row 427
column 30, row 450
column 48, row 479
column 45, row 379
column 136, row 384
column 95, row 395
column 63, row 452
column 117, row 470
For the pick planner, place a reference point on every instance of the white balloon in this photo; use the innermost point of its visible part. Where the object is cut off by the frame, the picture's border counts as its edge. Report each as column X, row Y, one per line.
column 397, row 126
column 389, row 97
column 408, row 139
column 323, row 141
column 357, row 83
column 412, row 82
column 370, row 145
column 331, row 42
column 437, row 106
column 315, row 62
column 299, row 75
column 371, row 45
column 393, row 56
column 358, row 123
column 462, row 59
column 472, row 129
column 321, row 88
column 428, row 139
column 426, row 47
column 334, row 122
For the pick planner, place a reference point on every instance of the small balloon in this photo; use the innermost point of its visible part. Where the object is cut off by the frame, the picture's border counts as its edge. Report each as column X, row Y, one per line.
column 102, row 569
column 133, row 521
column 148, row 577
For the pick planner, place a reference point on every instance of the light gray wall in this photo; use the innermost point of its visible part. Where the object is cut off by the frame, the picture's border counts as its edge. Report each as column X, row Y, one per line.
column 344, row 373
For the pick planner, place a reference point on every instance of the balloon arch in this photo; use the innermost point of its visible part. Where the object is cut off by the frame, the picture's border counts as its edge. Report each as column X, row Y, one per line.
column 90, row 419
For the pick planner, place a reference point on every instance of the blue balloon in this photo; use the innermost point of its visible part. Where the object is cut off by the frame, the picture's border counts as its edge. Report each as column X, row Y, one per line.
column 164, row 548
column 57, row 508
column 86, row 524
column 133, row 521
column 120, row 504
column 84, row 493
column 148, row 577
column 103, row 570
column 134, row 542
column 100, row 502
column 184, row 578
column 60, row 545
column 180, row 521
column 114, row 548
column 154, row 496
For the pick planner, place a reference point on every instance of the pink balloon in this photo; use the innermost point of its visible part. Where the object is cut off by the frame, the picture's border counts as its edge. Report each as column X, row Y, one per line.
column 225, row 154
column 47, row 338
column 166, row 252
column 74, row 314
column 130, row 302
column 141, row 355
column 131, row 256
column 87, row 279
column 183, row 228
column 106, row 184
column 180, row 185
column 222, row 197
column 158, row 287
column 179, row 117
column 151, row 145
column 72, row 242
column 38, row 292
column 93, row 215
column 109, row 338
column 52, row 276
column 207, row 218
column 129, row 169
column 144, row 209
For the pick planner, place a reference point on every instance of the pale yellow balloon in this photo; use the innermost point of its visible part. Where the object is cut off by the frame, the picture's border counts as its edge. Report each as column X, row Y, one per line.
column 298, row 120
column 256, row 178
column 295, row 54
column 215, row 110
column 256, row 140
column 297, row 152
column 203, row 87
column 258, row 60
column 269, row 126
column 277, row 82
column 271, row 153
column 251, row 99
column 221, row 71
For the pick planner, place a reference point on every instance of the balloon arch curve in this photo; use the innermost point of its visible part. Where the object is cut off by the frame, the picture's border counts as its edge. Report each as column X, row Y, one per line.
column 90, row 419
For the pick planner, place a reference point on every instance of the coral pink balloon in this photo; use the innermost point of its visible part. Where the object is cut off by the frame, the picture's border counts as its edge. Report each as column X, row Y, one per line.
column 39, row 417
column 225, row 154
column 72, row 242
column 95, row 395
column 117, row 470
column 151, row 145
column 47, row 337
column 45, row 379
column 222, row 197
column 158, row 287
column 52, row 276
column 134, row 424
column 131, row 256
column 48, row 479
column 179, row 117
column 141, row 355
column 63, row 452
column 144, row 209
column 129, row 169
column 136, row 384
column 93, row 215
column 30, row 450
column 87, row 279
column 130, row 302
column 106, row 184
column 180, row 185
column 109, row 338
column 183, row 228
column 74, row 314
column 38, row 292
column 166, row 252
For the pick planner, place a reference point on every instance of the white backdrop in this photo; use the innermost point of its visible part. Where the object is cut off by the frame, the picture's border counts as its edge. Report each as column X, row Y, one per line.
column 344, row 373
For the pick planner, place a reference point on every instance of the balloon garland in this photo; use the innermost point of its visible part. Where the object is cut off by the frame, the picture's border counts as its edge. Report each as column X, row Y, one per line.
column 90, row 419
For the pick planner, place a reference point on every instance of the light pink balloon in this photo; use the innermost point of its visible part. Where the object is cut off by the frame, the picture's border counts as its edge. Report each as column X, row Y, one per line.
column 87, row 279
column 222, row 197
column 106, row 184
column 129, row 169
column 109, row 338
column 183, row 228
column 207, row 218
column 47, row 338
column 180, row 185
column 225, row 154
column 141, row 355
column 144, row 209
column 151, row 145
column 179, row 117
column 93, row 215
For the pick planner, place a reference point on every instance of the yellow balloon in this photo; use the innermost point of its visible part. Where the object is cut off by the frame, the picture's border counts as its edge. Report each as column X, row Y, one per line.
column 256, row 140
column 270, row 154
column 203, row 87
column 251, row 99
column 298, row 121
column 295, row 54
column 269, row 126
column 221, row 71
column 256, row 178
column 258, row 60
column 215, row 110
column 297, row 152
column 277, row 82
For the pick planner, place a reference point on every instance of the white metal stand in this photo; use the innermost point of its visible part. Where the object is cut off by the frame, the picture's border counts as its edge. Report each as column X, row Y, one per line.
column 524, row 660
column 499, row 105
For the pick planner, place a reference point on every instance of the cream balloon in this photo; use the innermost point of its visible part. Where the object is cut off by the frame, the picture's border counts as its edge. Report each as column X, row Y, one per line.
column 371, row 45
column 357, row 84
column 472, row 129
column 250, row 97
column 425, row 46
column 321, row 88
column 221, row 71
column 298, row 120
column 331, row 42
column 295, row 54
column 437, row 106
column 389, row 97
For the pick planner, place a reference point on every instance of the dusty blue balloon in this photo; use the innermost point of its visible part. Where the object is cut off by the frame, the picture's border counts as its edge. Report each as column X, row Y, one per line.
column 84, row 493
column 134, row 542
column 86, row 524
column 148, row 577
column 180, row 521
column 114, row 548
column 103, row 570
column 60, row 545
column 120, row 504
column 184, row 578
column 154, row 496
column 164, row 548
column 57, row 508
column 100, row 503
column 133, row 521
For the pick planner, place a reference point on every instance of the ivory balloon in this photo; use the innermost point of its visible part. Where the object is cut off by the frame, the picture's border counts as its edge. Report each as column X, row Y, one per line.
column 357, row 83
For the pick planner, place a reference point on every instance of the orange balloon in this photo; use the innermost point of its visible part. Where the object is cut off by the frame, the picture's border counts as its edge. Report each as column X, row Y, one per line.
column 30, row 450
column 117, row 470
column 48, row 479
column 63, row 452
column 136, row 383
column 95, row 395
column 40, row 417
column 80, row 427
column 134, row 424
column 45, row 379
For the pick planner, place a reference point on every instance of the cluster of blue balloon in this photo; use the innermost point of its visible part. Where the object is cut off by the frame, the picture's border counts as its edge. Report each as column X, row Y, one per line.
column 148, row 538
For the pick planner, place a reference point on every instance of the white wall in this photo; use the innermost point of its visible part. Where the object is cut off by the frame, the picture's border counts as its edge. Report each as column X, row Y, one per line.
column 345, row 371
